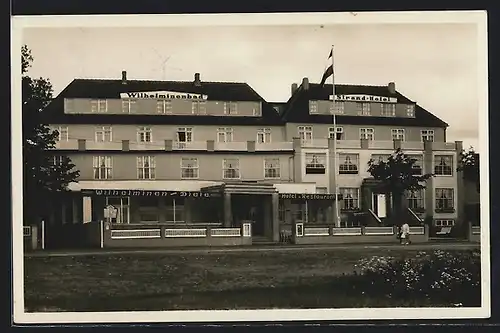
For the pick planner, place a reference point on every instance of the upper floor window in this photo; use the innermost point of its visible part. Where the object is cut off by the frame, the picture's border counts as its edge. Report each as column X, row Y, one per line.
column 257, row 109
column 129, row 105
column 263, row 135
column 427, row 135
column 443, row 165
column 56, row 160
column 380, row 157
column 313, row 107
column 189, row 168
column 415, row 200
column 199, row 107
column 410, row 110
column 348, row 164
column 305, row 133
column 68, row 105
column 103, row 168
column 184, row 135
column 398, row 134
column 63, row 133
column 231, row 168
column 164, row 106
column 272, row 168
column 103, row 134
column 99, row 105
column 315, row 164
column 444, row 200
column 350, row 198
column 336, row 132
column 230, row 108
column 367, row 133
column 418, row 165
column 388, row 110
column 364, row 109
column 337, row 107
column 225, row 134
column 146, row 167
column 144, row 134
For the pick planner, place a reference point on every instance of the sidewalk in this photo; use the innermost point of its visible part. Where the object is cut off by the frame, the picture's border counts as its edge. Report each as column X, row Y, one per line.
column 253, row 248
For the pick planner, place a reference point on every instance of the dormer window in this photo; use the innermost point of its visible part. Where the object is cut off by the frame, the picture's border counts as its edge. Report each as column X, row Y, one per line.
column 99, row 105
column 410, row 110
column 230, row 108
column 313, row 107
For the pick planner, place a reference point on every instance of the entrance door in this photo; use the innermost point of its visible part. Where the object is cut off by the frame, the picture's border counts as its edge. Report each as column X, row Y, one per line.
column 379, row 205
column 249, row 207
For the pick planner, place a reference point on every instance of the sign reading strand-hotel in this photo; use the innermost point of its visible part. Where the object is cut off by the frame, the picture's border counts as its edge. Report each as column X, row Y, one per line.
column 363, row 98
column 162, row 95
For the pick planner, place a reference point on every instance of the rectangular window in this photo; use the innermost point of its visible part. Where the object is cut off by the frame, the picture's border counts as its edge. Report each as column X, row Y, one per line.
column 444, row 223
column 367, row 134
column 418, row 166
column 348, row 164
column 272, row 168
column 364, row 109
column 315, row 164
column 350, row 198
column 257, row 109
column 443, row 165
column 263, row 135
column 427, row 135
column 388, row 110
column 380, row 157
column 410, row 111
column 99, row 105
column 199, row 107
column 144, row 134
column 398, row 134
column 146, row 166
column 415, row 200
column 68, row 105
column 174, row 210
column 164, row 106
column 337, row 107
column 231, row 168
column 63, row 133
column 444, row 200
column 189, row 168
column 313, row 107
column 122, row 205
column 129, row 105
column 230, row 108
column 225, row 134
column 103, row 168
column 184, row 136
column 56, row 160
column 103, row 134
column 305, row 133
column 339, row 135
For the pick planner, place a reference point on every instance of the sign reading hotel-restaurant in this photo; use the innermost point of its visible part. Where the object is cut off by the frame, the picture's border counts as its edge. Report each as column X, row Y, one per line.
column 150, row 193
column 309, row 196
column 363, row 98
column 162, row 95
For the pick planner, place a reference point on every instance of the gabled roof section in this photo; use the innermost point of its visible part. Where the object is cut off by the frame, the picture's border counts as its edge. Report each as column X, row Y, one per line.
column 111, row 89
column 297, row 109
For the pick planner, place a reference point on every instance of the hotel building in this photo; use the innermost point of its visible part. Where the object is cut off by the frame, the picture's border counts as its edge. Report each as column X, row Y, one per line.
column 188, row 154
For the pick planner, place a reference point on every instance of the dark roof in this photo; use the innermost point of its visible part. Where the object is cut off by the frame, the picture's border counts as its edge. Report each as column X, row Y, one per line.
column 297, row 109
column 97, row 88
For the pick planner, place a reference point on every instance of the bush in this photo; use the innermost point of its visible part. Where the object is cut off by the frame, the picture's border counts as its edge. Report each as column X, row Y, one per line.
column 448, row 276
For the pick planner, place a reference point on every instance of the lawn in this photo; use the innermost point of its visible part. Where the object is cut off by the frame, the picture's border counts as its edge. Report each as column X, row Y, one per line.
column 320, row 278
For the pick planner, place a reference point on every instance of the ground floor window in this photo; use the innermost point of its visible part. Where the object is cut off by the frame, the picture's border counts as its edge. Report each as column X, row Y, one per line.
column 122, row 205
column 149, row 209
column 175, row 210
column 319, row 211
column 207, row 211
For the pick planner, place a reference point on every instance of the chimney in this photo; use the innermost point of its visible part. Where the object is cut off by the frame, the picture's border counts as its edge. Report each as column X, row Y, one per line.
column 124, row 77
column 197, row 81
column 294, row 88
column 391, row 87
column 305, row 83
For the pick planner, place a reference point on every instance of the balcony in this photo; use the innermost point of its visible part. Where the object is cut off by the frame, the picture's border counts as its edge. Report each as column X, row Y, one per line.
column 231, row 146
column 71, row 144
column 443, row 146
column 349, row 144
column 95, row 145
column 274, row 146
column 155, row 145
column 193, row 145
column 412, row 145
column 380, row 144
column 315, row 143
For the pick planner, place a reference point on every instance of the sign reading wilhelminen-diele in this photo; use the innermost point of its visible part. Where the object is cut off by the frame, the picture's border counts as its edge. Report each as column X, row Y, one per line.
column 363, row 98
column 149, row 193
column 162, row 95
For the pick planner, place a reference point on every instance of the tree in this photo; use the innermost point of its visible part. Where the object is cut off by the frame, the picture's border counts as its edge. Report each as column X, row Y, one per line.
column 468, row 163
column 396, row 176
column 44, row 175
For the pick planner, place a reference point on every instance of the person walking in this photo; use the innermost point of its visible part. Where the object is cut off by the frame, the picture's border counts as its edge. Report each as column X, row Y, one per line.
column 405, row 234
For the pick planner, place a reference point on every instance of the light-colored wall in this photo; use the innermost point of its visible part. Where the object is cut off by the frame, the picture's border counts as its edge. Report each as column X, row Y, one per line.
column 351, row 109
column 168, row 132
column 149, row 106
column 168, row 166
column 351, row 132
column 446, row 182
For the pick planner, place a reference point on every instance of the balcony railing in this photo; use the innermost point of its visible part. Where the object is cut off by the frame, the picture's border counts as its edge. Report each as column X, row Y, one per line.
column 443, row 146
column 269, row 146
column 97, row 145
column 71, row 144
column 412, row 145
column 381, row 144
column 193, row 145
column 235, row 145
column 155, row 145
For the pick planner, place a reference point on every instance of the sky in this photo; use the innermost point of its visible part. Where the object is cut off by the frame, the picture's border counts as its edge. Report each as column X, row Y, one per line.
column 435, row 64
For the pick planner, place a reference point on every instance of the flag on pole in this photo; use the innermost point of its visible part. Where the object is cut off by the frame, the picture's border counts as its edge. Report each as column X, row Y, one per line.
column 329, row 71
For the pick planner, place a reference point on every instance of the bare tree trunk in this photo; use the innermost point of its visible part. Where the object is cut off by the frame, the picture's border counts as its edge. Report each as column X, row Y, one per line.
column 398, row 216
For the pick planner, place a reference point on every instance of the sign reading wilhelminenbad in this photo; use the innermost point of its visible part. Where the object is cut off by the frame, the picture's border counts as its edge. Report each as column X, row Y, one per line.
column 363, row 98
column 162, row 95
column 149, row 193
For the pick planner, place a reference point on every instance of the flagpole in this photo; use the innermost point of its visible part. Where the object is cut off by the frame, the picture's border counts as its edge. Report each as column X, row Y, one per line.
column 337, row 215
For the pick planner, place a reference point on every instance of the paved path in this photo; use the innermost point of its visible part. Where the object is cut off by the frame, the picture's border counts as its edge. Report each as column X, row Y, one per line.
column 254, row 248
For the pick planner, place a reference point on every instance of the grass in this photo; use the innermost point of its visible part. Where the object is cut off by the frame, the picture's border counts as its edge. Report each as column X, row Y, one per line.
column 237, row 280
